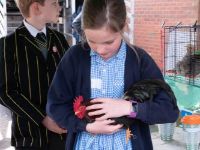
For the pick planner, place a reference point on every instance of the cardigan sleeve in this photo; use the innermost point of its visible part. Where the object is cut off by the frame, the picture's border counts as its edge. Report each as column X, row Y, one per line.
column 161, row 109
column 61, row 94
column 10, row 93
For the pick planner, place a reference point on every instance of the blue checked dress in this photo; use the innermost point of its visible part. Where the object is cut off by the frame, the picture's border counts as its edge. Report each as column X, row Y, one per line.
column 107, row 80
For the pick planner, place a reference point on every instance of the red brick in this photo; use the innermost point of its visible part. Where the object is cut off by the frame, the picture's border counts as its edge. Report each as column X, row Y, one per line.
column 150, row 14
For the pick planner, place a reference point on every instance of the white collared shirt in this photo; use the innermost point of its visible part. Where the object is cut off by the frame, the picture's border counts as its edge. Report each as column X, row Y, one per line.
column 33, row 31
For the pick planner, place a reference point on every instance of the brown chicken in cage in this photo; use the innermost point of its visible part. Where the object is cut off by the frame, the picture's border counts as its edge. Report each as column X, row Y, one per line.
column 189, row 65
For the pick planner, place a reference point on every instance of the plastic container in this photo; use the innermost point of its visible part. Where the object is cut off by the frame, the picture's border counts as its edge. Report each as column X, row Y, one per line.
column 166, row 131
column 191, row 128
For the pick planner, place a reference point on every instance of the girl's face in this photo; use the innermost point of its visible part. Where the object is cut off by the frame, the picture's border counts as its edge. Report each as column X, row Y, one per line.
column 103, row 41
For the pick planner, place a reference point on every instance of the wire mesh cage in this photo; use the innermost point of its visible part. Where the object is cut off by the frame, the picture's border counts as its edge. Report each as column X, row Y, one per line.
column 182, row 54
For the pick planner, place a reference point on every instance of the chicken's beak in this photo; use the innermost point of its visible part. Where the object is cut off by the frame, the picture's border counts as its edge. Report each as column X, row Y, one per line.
column 77, row 112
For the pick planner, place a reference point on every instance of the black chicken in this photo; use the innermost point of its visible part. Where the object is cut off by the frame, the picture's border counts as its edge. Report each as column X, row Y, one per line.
column 145, row 90
column 142, row 91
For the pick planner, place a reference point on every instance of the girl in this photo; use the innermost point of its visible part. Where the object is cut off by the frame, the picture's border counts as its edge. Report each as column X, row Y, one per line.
column 104, row 68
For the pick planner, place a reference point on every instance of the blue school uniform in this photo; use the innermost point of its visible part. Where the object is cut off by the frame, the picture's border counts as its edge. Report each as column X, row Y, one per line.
column 107, row 80
column 74, row 77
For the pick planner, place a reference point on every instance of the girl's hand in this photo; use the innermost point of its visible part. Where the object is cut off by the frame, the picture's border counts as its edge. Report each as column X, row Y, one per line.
column 103, row 127
column 109, row 108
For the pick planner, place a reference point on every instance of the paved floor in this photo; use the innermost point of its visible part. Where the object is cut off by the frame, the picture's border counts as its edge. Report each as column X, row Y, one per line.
column 176, row 144
column 5, row 132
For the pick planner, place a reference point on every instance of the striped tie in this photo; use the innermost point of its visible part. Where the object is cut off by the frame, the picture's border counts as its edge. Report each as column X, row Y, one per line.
column 41, row 40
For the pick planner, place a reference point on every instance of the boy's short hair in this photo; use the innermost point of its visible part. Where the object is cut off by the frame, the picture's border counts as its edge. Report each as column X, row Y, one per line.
column 24, row 6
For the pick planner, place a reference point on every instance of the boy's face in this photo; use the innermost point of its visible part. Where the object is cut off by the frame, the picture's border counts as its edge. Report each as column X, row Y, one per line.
column 50, row 11
column 103, row 41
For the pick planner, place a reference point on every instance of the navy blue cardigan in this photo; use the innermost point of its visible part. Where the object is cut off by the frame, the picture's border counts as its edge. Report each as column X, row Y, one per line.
column 72, row 79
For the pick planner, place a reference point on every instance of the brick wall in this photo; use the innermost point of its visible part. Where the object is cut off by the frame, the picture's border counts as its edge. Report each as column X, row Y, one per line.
column 149, row 15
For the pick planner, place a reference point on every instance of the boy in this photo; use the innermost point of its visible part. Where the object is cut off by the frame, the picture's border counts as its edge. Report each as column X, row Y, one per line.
column 28, row 60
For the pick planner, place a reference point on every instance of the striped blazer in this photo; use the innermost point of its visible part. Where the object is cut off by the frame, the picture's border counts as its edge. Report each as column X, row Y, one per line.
column 25, row 76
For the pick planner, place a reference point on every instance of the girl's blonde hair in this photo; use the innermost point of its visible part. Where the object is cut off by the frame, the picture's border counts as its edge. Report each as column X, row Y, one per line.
column 110, row 13
column 98, row 13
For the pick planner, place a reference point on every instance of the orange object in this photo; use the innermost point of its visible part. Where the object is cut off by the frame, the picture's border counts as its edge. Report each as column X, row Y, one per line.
column 191, row 119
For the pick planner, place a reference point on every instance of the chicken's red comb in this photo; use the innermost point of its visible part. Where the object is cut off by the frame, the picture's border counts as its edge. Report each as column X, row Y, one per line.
column 77, row 102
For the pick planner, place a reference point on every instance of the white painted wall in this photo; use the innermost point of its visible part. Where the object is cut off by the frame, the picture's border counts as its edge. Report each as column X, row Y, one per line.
column 130, row 14
column 73, row 8
column 3, row 19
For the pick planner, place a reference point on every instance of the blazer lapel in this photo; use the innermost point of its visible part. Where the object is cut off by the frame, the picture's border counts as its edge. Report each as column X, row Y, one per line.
column 54, row 45
column 24, row 34
column 49, row 38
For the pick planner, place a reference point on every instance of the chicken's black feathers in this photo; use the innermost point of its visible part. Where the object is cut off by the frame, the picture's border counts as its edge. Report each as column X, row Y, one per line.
column 144, row 90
